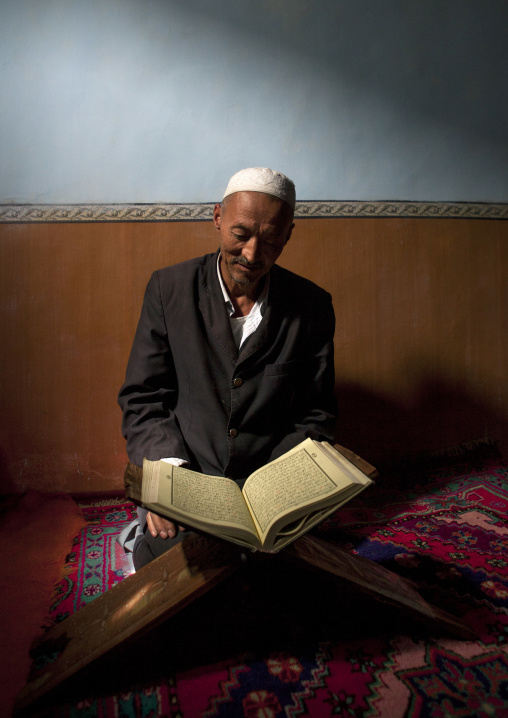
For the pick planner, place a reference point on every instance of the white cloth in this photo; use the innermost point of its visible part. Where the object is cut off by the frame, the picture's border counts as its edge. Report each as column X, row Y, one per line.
column 176, row 462
column 243, row 327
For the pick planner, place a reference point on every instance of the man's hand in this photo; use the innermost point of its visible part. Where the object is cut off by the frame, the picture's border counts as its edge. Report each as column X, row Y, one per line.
column 159, row 526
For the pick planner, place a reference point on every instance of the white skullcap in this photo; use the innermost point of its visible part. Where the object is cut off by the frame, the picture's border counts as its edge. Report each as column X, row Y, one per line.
column 262, row 179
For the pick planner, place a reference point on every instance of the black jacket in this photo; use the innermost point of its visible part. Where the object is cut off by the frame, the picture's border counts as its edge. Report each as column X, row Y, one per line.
column 189, row 393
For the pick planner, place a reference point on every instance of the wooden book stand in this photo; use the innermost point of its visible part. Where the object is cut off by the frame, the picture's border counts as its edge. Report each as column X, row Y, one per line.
column 188, row 570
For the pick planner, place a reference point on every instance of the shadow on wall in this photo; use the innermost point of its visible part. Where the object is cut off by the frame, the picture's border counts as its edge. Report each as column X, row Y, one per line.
column 48, row 470
column 390, row 434
column 383, row 430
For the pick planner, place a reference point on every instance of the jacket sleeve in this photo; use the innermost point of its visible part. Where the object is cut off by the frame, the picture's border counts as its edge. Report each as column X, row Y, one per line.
column 150, row 391
column 314, row 410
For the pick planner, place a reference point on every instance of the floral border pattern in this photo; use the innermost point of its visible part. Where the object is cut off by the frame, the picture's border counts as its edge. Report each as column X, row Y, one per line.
column 61, row 213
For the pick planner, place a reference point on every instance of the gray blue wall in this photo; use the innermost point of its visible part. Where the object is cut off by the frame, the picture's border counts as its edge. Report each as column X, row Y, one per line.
column 161, row 100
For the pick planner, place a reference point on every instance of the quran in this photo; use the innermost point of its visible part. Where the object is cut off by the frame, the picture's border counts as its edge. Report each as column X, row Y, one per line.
column 278, row 503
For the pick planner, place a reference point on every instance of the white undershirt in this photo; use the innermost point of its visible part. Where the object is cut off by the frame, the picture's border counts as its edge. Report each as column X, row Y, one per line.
column 243, row 327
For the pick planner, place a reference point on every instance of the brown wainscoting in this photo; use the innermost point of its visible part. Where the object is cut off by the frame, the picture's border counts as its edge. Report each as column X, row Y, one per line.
column 421, row 341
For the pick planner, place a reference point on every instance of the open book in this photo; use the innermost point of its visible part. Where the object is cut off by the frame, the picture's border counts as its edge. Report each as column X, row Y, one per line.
column 278, row 503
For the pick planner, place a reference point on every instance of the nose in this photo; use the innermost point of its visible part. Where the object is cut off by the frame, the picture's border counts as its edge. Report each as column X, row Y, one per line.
column 251, row 250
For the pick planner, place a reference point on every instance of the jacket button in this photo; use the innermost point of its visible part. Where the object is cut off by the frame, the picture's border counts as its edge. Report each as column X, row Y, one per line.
column 238, row 381
column 233, row 433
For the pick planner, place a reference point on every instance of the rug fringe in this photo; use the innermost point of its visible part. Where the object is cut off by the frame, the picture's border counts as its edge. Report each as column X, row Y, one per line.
column 113, row 497
column 88, row 503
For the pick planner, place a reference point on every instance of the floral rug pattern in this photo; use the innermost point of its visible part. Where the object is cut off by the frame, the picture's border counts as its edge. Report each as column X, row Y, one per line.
column 449, row 534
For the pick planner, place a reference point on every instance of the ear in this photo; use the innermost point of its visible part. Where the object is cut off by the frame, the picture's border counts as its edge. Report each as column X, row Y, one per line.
column 289, row 234
column 217, row 214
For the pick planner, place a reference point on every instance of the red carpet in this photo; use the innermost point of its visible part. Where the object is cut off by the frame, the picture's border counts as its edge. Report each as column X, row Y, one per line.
column 35, row 538
column 277, row 642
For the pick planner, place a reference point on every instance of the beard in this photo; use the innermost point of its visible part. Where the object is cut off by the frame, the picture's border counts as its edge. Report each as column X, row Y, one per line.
column 242, row 281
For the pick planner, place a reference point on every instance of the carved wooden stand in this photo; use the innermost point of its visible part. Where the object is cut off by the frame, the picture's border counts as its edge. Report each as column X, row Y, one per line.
column 188, row 570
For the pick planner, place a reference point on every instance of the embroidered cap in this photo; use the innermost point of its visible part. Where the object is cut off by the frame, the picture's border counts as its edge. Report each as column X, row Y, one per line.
column 262, row 179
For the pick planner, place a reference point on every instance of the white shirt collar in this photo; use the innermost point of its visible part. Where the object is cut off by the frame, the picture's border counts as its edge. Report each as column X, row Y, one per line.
column 260, row 303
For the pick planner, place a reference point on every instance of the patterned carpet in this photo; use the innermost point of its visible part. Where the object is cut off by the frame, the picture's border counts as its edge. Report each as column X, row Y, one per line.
column 274, row 642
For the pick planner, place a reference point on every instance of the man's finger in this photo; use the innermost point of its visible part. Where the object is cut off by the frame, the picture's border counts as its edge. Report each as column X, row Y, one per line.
column 159, row 526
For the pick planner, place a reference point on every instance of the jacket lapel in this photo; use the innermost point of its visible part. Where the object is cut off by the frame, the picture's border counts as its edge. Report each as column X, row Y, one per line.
column 269, row 327
column 213, row 310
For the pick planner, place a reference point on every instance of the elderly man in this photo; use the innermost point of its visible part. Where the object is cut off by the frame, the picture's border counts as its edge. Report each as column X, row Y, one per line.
column 232, row 362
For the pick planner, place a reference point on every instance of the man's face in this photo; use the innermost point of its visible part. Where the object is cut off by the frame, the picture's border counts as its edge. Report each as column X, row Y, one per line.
column 253, row 227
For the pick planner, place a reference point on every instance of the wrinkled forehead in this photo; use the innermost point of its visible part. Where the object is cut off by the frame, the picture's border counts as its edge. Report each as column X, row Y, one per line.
column 258, row 208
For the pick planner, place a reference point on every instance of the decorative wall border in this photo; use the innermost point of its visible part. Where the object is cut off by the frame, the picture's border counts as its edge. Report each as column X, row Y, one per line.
column 61, row 213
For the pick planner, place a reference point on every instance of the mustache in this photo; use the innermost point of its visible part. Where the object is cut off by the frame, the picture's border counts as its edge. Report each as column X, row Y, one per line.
column 245, row 263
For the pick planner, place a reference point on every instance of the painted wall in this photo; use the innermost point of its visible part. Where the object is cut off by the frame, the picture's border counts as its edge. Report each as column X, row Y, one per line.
column 421, row 341
column 162, row 100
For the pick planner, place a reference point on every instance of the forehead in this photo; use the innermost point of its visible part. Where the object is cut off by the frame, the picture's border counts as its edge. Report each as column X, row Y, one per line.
column 257, row 209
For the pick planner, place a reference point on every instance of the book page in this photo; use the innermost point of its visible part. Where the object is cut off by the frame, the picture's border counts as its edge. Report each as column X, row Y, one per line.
column 213, row 499
column 284, row 484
